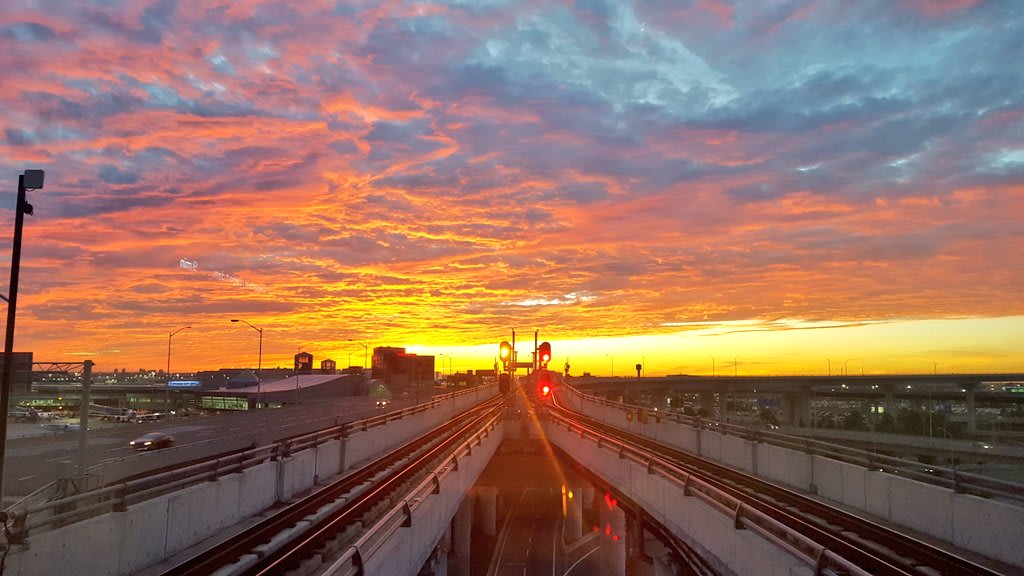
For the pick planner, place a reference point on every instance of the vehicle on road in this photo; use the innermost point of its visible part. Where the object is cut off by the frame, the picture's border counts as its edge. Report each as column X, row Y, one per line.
column 383, row 403
column 152, row 441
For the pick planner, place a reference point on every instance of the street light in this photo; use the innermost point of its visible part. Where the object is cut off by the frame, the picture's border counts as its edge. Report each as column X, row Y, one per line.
column 259, row 367
column 366, row 350
column 167, row 389
column 30, row 180
column 613, row 363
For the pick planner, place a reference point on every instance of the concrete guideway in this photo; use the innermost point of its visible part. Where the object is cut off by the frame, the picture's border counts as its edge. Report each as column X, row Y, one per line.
column 983, row 525
column 139, row 533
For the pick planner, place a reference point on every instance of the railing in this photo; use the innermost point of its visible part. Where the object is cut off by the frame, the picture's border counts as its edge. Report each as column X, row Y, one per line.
column 797, row 544
column 956, row 480
column 38, row 511
column 352, row 561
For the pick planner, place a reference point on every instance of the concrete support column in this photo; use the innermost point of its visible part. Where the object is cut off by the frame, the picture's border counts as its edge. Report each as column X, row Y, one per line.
column 588, row 496
column 972, row 415
column 796, row 408
column 613, row 539
column 461, row 526
column 638, row 563
column 487, row 509
column 572, row 506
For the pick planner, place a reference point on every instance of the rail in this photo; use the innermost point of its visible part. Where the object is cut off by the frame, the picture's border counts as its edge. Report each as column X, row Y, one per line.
column 821, row 535
column 39, row 511
column 807, row 550
column 352, row 560
column 956, row 480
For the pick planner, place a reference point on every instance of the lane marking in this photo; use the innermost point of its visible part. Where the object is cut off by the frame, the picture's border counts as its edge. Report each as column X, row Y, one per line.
column 506, row 530
column 582, row 558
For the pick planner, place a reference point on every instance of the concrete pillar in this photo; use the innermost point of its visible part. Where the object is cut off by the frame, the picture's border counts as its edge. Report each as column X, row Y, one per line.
column 572, row 506
column 487, row 509
column 658, row 558
column 461, row 526
column 588, row 496
column 972, row 415
column 796, row 408
column 613, row 539
column 638, row 563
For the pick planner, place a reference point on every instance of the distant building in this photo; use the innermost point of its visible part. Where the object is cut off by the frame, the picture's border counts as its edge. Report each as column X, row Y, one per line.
column 327, row 366
column 303, row 363
column 399, row 369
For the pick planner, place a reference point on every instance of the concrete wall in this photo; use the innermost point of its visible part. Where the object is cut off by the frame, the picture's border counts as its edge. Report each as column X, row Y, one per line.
column 405, row 551
column 703, row 528
column 146, row 533
column 986, row 526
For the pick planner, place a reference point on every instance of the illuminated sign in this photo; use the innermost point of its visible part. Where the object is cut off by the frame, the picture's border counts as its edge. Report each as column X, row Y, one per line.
column 183, row 384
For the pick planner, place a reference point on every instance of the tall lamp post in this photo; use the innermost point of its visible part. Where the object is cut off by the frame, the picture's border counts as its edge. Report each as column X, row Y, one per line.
column 167, row 390
column 30, row 180
column 366, row 350
column 259, row 367
column 612, row 358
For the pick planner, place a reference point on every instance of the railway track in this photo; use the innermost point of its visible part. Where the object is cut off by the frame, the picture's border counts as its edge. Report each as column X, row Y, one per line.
column 286, row 539
column 873, row 548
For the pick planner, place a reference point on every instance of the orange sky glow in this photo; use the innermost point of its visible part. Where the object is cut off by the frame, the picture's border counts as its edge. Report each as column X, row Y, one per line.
column 706, row 188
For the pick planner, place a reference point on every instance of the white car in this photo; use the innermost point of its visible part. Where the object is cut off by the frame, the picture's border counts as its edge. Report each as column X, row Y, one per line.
column 383, row 403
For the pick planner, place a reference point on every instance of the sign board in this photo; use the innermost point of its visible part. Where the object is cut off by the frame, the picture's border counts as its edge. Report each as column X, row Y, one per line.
column 183, row 384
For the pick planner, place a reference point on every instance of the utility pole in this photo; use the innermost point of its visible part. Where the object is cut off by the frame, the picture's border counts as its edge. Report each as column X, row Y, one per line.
column 30, row 180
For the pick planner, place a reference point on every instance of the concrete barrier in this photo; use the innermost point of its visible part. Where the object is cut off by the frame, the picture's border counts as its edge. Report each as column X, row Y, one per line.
column 150, row 531
column 709, row 532
column 985, row 526
column 407, row 549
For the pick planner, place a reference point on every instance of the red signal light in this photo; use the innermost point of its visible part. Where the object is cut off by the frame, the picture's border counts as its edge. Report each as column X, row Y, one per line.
column 544, row 354
column 545, row 390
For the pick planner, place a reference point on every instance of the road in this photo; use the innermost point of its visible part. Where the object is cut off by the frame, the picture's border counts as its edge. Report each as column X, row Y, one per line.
column 33, row 462
column 529, row 548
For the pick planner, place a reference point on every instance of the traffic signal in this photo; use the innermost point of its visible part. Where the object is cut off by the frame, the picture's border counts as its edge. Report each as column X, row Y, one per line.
column 505, row 353
column 544, row 354
column 504, row 383
column 544, row 383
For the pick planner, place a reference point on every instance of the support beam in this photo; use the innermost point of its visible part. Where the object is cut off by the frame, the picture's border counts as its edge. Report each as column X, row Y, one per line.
column 461, row 531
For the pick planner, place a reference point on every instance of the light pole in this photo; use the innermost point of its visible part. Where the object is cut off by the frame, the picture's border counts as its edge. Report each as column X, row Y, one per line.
column 366, row 350
column 735, row 364
column 167, row 389
column 712, row 365
column 259, row 366
column 297, row 375
column 612, row 358
column 829, row 360
column 30, row 180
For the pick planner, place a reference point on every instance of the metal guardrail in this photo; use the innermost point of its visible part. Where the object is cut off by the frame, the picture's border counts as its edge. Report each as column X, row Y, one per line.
column 38, row 511
column 813, row 554
column 351, row 562
column 956, row 480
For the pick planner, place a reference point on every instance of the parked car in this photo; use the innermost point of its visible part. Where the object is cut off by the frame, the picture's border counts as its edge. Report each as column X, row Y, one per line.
column 152, row 441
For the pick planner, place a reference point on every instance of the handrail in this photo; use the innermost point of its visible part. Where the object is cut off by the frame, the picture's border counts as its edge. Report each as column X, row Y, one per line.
column 957, row 480
column 27, row 515
column 351, row 561
column 744, row 516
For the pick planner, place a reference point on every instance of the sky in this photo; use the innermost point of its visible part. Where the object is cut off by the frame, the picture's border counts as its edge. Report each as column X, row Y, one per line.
column 708, row 186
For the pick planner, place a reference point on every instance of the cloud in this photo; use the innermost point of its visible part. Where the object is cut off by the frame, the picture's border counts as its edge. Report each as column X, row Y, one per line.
column 601, row 167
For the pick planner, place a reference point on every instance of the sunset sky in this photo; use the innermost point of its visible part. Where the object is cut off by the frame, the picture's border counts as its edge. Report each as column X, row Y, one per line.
column 750, row 187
